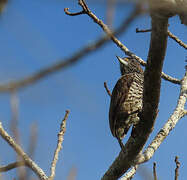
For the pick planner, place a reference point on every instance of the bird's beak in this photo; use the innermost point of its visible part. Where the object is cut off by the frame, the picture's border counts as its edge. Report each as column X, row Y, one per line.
column 123, row 61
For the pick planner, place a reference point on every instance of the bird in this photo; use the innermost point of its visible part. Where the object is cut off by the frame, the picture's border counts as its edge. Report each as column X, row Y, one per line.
column 126, row 98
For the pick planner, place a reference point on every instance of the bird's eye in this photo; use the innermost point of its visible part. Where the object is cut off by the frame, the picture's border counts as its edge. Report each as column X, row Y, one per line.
column 126, row 59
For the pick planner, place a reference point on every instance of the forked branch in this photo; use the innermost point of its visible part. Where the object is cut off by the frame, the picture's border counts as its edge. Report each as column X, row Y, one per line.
column 74, row 58
column 27, row 161
column 150, row 105
column 110, row 34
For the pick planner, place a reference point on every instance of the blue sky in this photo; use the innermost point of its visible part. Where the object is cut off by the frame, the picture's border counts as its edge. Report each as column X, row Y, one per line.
column 37, row 33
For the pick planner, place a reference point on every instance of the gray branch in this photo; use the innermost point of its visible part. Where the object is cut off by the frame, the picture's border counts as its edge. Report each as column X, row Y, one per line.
column 151, row 97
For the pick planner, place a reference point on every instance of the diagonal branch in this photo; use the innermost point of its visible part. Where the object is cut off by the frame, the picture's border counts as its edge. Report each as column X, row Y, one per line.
column 107, row 90
column 30, row 163
column 27, row 161
column 151, row 97
column 172, row 36
column 12, row 166
column 108, row 32
column 176, row 39
column 178, row 113
column 152, row 83
column 76, row 57
column 117, row 41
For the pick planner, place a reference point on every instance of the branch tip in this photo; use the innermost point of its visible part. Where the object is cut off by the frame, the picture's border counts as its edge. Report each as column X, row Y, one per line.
column 73, row 14
column 107, row 90
column 177, row 167
column 154, row 171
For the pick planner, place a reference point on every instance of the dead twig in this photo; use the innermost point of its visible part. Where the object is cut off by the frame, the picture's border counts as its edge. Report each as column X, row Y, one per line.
column 107, row 90
column 154, row 171
column 76, row 57
column 30, row 163
column 59, row 145
column 172, row 36
column 12, row 166
column 177, row 167
column 142, row 30
column 110, row 34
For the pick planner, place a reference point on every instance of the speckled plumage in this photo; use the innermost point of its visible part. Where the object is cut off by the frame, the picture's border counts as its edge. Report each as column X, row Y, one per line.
column 126, row 100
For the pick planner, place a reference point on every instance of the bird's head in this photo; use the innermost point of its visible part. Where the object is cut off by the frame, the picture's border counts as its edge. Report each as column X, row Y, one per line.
column 129, row 65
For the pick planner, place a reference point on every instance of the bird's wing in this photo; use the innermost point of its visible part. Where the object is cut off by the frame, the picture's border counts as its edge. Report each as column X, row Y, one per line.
column 119, row 95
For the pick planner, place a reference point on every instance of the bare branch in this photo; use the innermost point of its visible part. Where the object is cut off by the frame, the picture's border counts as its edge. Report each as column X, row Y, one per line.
column 175, row 38
column 118, row 42
column 39, row 172
column 151, row 95
column 170, row 79
column 129, row 175
column 154, row 171
column 172, row 36
column 152, row 81
column 73, row 14
column 142, row 30
column 108, row 31
column 59, row 145
column 76, row 57
column 177, row 168
column 107, row 90
column 12, row 166
column 178, row 113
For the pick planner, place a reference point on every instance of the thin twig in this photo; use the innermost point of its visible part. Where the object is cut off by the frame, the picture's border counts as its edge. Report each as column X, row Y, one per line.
column 118, row 42
column 12, row 166
column 151, row 100
column 172, row 36
column 73, row 14
column 76, row 57
column 175, row 38
column 150, row 103
column 30, row 163
column 177, row 168
column 108, row 31
column 107, row 90
column 154, row 171
column 59, row 145
column 142, row 30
